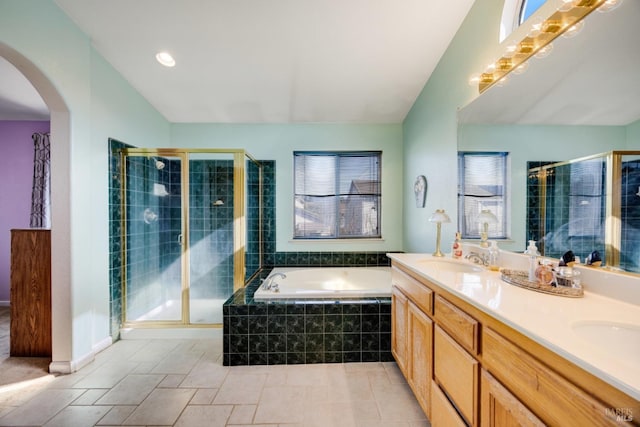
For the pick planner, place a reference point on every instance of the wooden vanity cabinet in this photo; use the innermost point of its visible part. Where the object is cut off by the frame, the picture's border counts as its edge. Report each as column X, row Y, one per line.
column 419, row 355
column 500, row 408
column 399, row 325
column 412, row 335
column 467, row 368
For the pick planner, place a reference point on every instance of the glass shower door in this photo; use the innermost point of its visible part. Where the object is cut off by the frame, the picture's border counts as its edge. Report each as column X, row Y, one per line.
column 154, row 234
column 211, row 235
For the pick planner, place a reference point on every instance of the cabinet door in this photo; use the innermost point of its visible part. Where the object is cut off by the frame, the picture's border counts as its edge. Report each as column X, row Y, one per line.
column 419, row 353
column 457, row 373
column 500, row 408
column 399, row 306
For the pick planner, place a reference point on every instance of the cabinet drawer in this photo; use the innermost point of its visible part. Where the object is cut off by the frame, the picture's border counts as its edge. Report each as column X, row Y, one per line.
column 419, row 293
column 443, row 414
column 458, row 324
column 554, row 399
column 457, row 372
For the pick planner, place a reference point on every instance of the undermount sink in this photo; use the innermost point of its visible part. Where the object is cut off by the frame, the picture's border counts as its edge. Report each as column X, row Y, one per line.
column 621, row 338
column 451, row 265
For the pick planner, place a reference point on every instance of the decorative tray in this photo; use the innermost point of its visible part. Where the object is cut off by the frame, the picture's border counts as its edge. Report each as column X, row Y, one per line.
column 521, row 279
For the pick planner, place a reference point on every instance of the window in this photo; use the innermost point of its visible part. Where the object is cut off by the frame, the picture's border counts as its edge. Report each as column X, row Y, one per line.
column 528, row 8
column 337, row 195
column 482, row 184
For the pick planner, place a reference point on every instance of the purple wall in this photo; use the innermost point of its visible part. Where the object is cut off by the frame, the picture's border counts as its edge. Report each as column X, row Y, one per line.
column 16, row 169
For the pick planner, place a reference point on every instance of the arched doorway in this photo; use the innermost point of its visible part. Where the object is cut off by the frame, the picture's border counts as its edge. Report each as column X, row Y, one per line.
column 61, row 207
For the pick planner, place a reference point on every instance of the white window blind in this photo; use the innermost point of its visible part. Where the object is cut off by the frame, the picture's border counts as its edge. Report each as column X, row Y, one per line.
column 482, row 184
column 337, row 195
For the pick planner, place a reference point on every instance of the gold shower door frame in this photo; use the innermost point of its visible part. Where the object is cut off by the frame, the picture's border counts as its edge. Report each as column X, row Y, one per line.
column 239, row 228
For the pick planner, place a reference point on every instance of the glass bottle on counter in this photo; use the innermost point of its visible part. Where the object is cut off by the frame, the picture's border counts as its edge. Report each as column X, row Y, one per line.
column 494, row 256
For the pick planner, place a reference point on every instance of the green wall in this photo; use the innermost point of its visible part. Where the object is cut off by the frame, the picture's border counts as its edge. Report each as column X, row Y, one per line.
column 277, row 142
column 89, row 102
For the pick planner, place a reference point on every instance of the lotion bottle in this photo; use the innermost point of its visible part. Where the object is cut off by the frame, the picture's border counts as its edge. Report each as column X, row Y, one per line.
column 532, row 251
column 494, row 256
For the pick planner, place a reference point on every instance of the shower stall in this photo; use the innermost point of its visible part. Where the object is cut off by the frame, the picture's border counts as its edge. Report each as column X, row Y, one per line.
column 588, row 204
column 191, row 227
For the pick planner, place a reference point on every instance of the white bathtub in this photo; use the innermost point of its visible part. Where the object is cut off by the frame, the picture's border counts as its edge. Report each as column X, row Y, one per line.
column 328, row 282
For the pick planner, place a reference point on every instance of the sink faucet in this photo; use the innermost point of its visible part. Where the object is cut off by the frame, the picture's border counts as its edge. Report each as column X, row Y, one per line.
column 268, row 283
column 477, row 258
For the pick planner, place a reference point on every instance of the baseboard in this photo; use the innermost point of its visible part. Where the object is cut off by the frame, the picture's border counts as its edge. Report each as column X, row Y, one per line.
column 68, row 367
column 5, row 303
column 101, row 345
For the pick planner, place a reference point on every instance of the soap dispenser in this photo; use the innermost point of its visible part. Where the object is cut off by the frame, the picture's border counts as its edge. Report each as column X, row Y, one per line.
column 494, row 256
column 532, row 251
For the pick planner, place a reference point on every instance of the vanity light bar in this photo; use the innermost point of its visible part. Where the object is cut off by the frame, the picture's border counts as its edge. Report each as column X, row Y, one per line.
column 538, row 38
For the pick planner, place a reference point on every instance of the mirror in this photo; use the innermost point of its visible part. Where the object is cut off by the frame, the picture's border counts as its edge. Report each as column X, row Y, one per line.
column 583, row 99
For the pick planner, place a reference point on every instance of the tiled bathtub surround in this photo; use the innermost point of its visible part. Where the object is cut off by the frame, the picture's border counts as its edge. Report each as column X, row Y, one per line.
column 314, row 331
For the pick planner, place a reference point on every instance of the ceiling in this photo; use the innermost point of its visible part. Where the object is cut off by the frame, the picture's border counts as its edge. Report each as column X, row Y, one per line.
column 270, row 61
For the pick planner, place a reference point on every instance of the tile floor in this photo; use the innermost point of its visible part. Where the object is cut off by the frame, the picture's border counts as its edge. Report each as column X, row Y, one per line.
column 182, row 382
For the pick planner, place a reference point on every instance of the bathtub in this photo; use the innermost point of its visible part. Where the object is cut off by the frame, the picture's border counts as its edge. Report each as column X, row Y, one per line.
column 328, row 282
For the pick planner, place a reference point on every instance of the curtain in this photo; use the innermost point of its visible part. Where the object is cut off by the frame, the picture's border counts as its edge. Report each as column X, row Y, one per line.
column 41, row 191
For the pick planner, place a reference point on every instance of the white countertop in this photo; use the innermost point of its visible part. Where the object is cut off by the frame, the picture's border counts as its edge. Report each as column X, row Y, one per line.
column 566, row 326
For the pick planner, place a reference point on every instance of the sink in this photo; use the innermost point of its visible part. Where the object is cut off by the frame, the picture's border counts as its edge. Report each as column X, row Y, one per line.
column 451, row 265
column 621, row 338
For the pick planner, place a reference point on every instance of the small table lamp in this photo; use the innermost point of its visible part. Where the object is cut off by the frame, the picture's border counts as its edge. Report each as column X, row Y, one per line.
column 485, row 218
column 439, row 217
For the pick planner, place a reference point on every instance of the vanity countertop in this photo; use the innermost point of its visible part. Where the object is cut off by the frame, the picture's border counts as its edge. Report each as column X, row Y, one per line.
column 597, row 333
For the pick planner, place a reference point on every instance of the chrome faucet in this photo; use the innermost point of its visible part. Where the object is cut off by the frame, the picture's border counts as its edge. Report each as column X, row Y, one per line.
column 476, row 258
column 268, row 284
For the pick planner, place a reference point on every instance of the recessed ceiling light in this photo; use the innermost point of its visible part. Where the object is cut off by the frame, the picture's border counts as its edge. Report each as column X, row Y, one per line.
column 165, row 59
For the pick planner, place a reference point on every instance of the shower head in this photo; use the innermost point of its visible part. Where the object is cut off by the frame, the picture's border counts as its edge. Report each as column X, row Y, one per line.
column 159, row 164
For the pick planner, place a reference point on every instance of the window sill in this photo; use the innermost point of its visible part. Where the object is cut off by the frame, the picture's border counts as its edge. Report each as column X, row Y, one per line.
column 333, row 241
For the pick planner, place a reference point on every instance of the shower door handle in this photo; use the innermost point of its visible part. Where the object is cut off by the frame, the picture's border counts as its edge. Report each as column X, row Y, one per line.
column 180, row 239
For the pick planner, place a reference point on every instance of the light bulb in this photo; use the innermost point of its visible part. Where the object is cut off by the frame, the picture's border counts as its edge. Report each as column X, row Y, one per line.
column 544, row 51
column 574, row 30
column 165, row 59
column 609, row 5
column 510, row 51
column 566, row 5
column 521, row 68
column 474, row 79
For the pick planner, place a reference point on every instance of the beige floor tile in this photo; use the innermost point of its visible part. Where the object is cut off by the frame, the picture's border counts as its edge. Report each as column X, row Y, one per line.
column 396, row 402
column 89, row 397
column 240, row 389
column 279, row 411
column 177, row 363
column 206, row 374
column 172, row 381
column 340, row 413
column 107, row 375
column 41, row 408
column 317, row 393
column 153, row 351
column 292, row 394
column 117, row 415
column 350, row 387
column 203, row 396
column 161, row 407
column 242, row 414
column 132, row 390
column 205, row 416
column 78, row 416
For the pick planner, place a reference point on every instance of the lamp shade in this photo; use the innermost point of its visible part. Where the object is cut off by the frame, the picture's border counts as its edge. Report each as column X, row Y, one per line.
column 486, row 216
column 440, row 216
